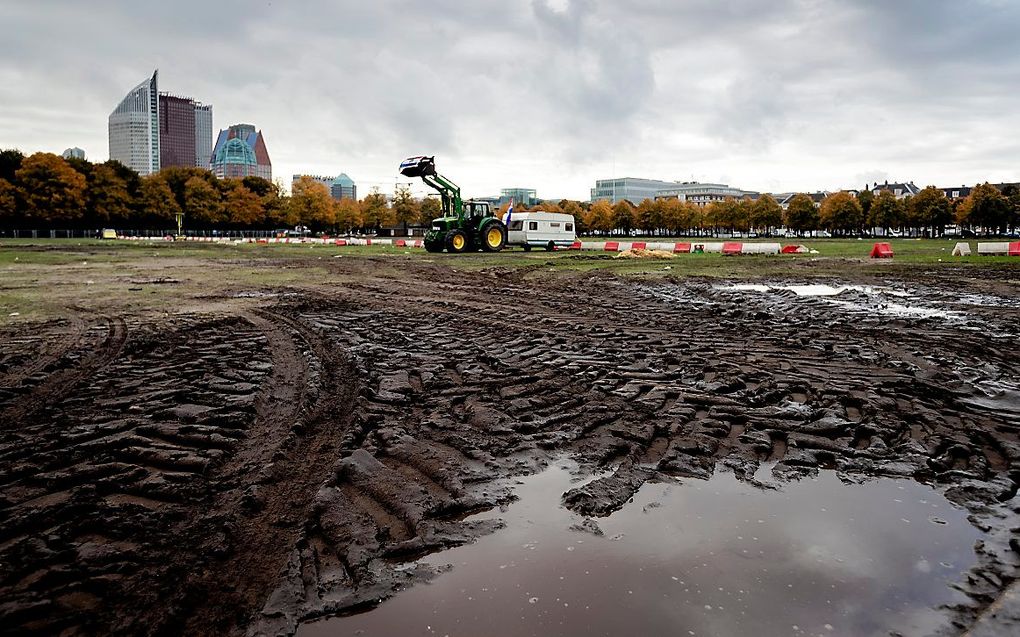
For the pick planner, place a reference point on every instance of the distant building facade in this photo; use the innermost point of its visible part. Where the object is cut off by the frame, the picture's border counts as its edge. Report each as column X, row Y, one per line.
column 75, row 152
column 701, row 194
column 900, row 191
column 176, row 131
column 520, row 196
column 134, row 128
column 203, row 135
column 240, row 151
column 632, row 189
column 339, row 187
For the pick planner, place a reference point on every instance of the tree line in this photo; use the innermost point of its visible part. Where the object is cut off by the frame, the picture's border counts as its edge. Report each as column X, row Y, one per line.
column 45, row 190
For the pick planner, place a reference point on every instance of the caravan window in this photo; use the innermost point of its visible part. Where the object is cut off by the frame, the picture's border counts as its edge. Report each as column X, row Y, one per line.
column 516, row 225
column 555, row 224
column 532, row 225
column 570, row 227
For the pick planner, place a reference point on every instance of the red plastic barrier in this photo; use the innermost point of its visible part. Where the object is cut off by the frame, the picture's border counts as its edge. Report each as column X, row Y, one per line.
column 681, row 247
column 612, row 246
column 732, row 247
column 340, row 242
column 881, row 251
column 400, row 243
column 1014, row 249
column 638, row 245
column 368, row 242
column 791, row 249
column 575, row 245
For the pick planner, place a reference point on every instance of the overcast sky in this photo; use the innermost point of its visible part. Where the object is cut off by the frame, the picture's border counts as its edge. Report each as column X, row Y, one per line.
column 770, row 95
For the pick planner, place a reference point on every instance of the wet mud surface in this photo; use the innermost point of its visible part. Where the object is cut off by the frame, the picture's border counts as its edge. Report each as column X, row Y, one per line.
column 248, row 471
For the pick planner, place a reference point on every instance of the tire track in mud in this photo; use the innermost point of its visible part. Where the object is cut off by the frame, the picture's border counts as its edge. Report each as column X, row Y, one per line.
column 57, row 340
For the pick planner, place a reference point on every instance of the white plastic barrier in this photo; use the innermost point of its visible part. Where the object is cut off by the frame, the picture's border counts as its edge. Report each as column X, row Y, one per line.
column 962, row 249
column 993, row 247
column 761, row 248
column 707, row 246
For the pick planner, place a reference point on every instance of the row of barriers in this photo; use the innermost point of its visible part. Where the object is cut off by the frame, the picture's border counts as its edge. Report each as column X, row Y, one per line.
column 880, row 250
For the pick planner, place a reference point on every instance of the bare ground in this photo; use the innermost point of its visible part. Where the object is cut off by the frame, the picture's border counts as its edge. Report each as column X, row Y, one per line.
column 276, row 460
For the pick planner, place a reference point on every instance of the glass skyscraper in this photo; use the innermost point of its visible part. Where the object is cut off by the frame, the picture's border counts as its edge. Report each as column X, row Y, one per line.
column 240, row 151
column 134, row 128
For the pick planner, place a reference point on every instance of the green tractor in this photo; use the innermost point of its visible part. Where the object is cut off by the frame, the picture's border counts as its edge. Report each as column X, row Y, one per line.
column 465, row 225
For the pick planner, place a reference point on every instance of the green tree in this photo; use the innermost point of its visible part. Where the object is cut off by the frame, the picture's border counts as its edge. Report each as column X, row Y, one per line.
column 624, row 216
column 243, row 208
column 374, row 211
column 866, row 198
column 985, row 207
column 766, row 214
column 405, row 207
column 52, row 191
column 311, row 204
column 158, row 202
column 801, row 214
column 10, row 162
column 886, row 211
column 930, row 209
column 841, row 213
column 202, row 204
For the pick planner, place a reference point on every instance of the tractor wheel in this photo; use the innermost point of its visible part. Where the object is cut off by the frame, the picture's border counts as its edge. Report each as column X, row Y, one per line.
column 493, row 236
column 433, row 246
column 456, row 241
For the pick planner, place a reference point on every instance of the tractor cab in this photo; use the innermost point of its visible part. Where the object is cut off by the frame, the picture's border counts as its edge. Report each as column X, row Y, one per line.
column 476, row 209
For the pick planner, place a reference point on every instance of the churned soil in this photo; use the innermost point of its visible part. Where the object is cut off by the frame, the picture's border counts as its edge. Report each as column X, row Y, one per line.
column 241, row 471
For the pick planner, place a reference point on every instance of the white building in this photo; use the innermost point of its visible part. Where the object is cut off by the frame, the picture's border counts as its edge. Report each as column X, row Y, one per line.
column 203, row 135
column 134, row 128
column 702, row 194
column 633, row 189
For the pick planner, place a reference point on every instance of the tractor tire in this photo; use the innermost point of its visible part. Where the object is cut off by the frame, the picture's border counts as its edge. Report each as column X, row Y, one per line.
column 456, row 241
column 433, row 246
column 493, row 236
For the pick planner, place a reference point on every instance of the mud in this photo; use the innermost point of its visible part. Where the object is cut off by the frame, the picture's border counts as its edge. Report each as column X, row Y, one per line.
column 248, row 470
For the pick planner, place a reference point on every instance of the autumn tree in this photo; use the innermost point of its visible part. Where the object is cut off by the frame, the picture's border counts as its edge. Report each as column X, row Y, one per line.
column 574, row 209
column 405, row 207
column 886, row 211
column 431, row 208
column 202, row 205
column 600, row 217
column 866, row 198
column 929, row 209
column 242, row 207
column 624, row 216
column 985, row 207
column 108, row 195
column 743, row 213
column 8, row 202
column 53, row 192
column 801, row 214
column 157, row 200
column 841, row 213
column 311, row 204
column 374, row 211
column 348, row 214
column 766, row 214
column 649, row 216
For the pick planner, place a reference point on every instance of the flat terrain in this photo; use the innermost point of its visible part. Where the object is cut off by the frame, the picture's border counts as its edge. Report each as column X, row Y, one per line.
column 204, row 439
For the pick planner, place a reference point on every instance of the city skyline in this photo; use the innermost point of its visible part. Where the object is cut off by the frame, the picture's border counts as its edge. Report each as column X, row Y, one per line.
column 798, row 96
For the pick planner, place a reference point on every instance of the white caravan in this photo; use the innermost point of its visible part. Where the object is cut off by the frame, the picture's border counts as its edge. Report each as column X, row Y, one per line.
column 536, row 229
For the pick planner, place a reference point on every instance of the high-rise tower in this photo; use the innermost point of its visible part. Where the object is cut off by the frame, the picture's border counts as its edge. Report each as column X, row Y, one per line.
column 134, row 128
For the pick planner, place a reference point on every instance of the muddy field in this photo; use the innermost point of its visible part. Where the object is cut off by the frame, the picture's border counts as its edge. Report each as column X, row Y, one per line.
column 292, row 453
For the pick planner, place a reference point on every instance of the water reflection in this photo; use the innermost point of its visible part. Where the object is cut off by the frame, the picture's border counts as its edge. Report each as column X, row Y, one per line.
column 716, row 557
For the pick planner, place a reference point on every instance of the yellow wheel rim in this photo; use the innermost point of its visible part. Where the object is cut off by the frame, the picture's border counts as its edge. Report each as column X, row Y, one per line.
column 458, row 241
column 494, row 237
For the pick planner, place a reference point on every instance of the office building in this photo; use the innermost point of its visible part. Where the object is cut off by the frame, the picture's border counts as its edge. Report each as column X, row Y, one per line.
column 520, row 196
column 240, row 151
column 134, row 128
column 339, row 187
column 176, row 131
column 702, row 194
column 203, row 135
column 75, row 152
column 632, row 189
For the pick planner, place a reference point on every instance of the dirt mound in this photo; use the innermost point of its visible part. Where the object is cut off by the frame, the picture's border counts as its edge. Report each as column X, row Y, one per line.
column 642, row 253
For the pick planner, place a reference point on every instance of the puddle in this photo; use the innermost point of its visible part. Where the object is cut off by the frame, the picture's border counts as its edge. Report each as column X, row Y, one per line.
column 716, row 557
column 865, row 298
